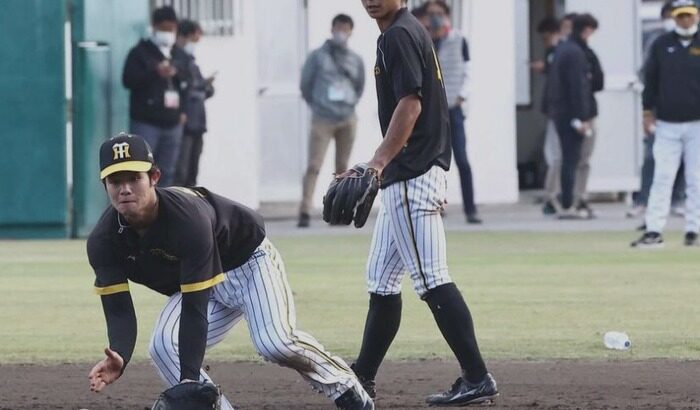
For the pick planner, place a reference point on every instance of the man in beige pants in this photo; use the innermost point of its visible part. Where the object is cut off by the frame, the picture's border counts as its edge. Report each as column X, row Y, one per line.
column 332, row 82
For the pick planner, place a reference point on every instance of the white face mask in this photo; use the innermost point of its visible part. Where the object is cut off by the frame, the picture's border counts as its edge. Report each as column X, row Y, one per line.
column 686, row 32
column 340, row 37
column 669, row 24
column 190, row 47
column 163, row 38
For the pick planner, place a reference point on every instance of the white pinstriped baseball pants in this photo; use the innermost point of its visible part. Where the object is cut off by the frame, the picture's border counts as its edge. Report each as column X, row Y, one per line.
column 409, row 236
column 258, row 291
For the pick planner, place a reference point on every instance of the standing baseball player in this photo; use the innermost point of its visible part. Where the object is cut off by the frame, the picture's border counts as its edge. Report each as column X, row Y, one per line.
column 211, row 258
column 409, row 235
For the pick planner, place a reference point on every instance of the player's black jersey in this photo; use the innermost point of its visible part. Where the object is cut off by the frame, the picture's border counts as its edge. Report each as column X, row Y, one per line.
column 196, row 237
column 408, row 64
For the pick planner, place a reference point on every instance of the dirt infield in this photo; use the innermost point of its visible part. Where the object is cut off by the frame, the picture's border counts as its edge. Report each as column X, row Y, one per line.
column 401, row 385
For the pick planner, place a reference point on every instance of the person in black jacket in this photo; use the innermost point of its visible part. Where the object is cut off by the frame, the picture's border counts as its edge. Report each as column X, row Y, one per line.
column 572, row 106
column 597, row 80
column 672, row 110
column 196, row 89
column 154, row 102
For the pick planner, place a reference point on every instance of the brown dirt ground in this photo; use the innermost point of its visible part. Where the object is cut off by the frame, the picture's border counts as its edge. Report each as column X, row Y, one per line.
column 655, row 384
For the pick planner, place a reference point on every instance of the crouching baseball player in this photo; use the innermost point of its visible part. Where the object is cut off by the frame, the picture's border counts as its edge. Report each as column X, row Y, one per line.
column 211, row 257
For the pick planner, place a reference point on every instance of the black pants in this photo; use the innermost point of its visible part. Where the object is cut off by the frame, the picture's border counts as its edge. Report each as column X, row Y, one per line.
column 188, row 162
column 571, row 143
column 459, row 149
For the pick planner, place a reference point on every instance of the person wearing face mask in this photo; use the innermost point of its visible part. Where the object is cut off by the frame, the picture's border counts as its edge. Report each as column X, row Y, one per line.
column 155, row 101
column 332, row 81
column 678, row 194
column 196, row 89
column 672, row 111
column 453, row 53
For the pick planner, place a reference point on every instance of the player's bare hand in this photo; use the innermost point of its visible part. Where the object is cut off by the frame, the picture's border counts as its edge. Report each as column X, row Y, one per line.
column 106, row 371
column 165, row 69
column 649, row 123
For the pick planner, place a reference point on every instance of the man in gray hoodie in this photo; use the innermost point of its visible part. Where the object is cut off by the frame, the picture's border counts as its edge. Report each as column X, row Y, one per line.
column 332, row 82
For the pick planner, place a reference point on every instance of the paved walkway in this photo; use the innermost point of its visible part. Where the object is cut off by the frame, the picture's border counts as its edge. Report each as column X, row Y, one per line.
column 525, row 216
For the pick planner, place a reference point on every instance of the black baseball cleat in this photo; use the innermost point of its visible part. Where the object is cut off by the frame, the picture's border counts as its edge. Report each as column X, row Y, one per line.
column 650, row 240
column 691, row 239
column 368, row 384
column 351, row 400
column 464, row 393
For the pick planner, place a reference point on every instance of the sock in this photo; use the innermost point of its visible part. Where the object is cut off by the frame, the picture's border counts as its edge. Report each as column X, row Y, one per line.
column 455, row 322
column 383, row 320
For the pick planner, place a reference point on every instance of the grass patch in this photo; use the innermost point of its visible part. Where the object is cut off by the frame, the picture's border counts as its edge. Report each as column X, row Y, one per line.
column 532, row 296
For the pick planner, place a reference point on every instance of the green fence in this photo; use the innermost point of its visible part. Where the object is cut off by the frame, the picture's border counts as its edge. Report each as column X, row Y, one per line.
column 37, row 200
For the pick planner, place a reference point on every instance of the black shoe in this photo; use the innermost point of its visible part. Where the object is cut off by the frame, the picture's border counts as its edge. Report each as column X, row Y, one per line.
column 549, row 208
column 474, row 219
column 368, row 384
column 351, row 400
column 642, row 227
column 649, row 240
column 584, row 210
column 464, row 393
column 691, row 239
column 304, row 221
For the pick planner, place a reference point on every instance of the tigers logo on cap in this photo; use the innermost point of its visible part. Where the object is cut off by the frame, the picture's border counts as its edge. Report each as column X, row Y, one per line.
column 125, row 152
column 121, row 150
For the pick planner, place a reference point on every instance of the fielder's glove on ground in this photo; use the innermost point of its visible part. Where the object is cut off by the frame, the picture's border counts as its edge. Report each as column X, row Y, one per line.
column 189, row 396
column 350, row 198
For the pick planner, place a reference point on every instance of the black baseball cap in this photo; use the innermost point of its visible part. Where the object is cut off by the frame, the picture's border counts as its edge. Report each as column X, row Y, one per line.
column 125, row 152
column 684, row 7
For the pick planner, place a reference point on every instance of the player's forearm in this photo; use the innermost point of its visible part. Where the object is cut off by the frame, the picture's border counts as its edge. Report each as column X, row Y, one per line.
column 121, row 324
column 400, row 127
column 193, row 333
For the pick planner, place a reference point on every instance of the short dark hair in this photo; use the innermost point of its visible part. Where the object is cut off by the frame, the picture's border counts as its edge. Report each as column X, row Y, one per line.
column 420, row 11
column 186, row 28
column 440, row 3
column 583, row 21
column 342, row 19
column 548, row 25
column 161, row 14
column 569, row 16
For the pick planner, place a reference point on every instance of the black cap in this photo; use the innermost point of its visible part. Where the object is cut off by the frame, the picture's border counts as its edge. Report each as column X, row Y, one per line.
column 125, row 152
column 684, row 7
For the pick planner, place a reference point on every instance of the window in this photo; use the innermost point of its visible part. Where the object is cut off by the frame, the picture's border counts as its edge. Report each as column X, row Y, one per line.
column 217, row 17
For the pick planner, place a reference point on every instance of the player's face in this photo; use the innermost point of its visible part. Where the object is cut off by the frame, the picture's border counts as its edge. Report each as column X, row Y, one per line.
column 379, row 9
column 132, row 194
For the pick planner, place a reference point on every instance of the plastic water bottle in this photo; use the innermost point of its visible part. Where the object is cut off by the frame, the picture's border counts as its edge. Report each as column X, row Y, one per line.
column 617, row 341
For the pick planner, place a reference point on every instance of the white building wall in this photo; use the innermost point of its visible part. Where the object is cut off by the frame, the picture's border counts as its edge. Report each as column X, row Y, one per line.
column 491, row 128
column 231, row 157
column 229, row 164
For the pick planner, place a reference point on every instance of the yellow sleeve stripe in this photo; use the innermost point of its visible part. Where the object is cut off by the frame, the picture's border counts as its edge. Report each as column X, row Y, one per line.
column 206, row 284
column 110, row 290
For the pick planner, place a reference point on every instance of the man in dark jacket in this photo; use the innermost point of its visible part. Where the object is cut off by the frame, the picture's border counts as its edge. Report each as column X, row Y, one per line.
column 572, row 79
column 154, row 102
column 196, row 89
column 672, row 111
